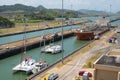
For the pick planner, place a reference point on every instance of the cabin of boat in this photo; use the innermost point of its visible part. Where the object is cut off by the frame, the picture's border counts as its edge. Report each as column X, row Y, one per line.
column 39, row 66
column 52, row 49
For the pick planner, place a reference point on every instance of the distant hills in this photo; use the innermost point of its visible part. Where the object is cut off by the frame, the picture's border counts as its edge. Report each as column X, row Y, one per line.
column 35, row 12
column 19, row 8
column 40, row 7
column 25, row 8
column 40, row 12
column 93, row 12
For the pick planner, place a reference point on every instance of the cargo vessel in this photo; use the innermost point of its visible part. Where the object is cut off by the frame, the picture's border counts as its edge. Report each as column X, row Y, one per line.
column 89, row 32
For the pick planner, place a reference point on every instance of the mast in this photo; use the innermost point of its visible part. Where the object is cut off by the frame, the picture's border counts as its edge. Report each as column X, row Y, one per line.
column 25, row 25
column 44, row 36
column 62, row 31
column 24, row 40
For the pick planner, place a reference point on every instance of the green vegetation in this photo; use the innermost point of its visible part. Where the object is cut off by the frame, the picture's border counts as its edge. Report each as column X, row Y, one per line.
column 29, row 21
column 16, row 7
column 6, row 23
column 89, row 64
column 18, row 11
column 49, row 14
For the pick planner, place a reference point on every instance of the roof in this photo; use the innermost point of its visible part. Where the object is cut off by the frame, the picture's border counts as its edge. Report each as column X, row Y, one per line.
column 109, row 60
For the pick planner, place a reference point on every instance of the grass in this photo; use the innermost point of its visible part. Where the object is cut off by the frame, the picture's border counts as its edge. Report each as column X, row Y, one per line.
column 30, row 21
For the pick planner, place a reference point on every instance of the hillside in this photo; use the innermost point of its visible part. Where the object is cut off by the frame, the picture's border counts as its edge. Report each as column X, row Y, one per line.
column 18, row 11
column 19, row 8
column 93, row 12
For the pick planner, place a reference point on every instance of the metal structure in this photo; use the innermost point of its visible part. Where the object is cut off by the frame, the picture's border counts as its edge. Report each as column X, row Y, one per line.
column 62, row 31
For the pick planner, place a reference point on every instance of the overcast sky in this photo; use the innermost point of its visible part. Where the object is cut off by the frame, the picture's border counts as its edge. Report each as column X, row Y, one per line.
column 101, row 5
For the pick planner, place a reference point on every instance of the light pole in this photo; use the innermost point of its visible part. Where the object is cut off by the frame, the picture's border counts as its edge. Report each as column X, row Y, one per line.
column 62, row 31
column 25, row 25
column 24, row 39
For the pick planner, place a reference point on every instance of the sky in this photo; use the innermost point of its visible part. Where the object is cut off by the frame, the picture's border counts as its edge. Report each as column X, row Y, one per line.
column 100, row 5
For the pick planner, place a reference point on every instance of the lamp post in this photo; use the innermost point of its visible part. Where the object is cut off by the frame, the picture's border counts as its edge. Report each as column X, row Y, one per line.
column 24, row 37
column 62, row 31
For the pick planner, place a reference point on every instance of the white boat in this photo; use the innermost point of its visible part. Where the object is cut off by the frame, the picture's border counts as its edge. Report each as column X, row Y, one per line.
column 25, row 66
column 45, row 48
column 39, row 66
column 28, row 64
column 52, row 49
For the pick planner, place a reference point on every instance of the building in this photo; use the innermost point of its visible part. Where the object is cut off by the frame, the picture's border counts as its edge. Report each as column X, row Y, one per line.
column 107, row 67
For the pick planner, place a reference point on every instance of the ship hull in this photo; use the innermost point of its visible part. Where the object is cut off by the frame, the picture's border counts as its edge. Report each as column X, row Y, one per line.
column 90, row 34
column 84, row 35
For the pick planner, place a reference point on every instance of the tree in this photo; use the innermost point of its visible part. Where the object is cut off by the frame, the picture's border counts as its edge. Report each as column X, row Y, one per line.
column 4, row 23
